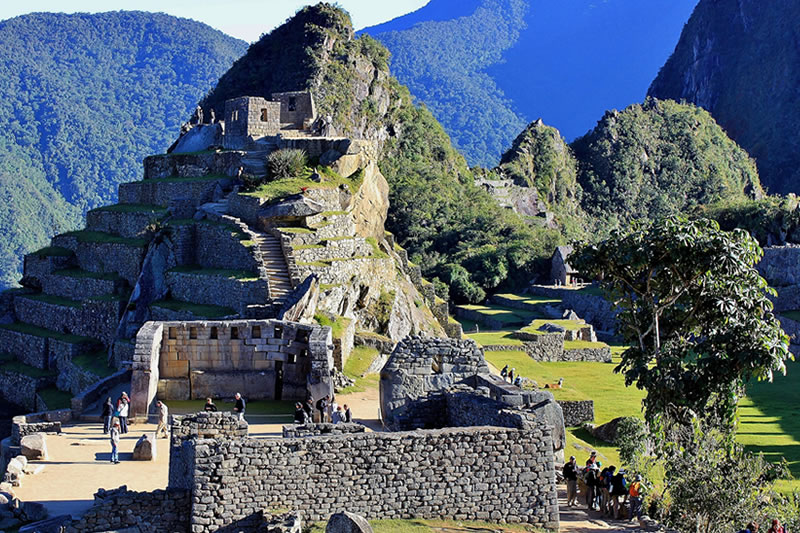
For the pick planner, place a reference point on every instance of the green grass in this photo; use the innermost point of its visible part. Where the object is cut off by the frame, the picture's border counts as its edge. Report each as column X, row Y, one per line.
column 255, row 407
column 338, row 324
column 281, row 188
column 530, row 299
column 198, row 310
column 53, row 251
column 307, row 246
column 580, row 345
column 355, row 367
column 30, row 329
column 79, row 273
column 534, row 326
column 101, row 237
column 769, row 421
column 134, row 208
column 320, row 264
column 376, row 249
column 591, row 289
column 502, row 314
column 54, row 398
column 96, row 363
column 241, row 275
column 495, row 338
column 9, row 363
column 295, row 230
column 52, row 299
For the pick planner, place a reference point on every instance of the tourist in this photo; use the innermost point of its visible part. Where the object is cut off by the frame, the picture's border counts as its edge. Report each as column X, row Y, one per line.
column 752, row 527
column 570, row 472
column 299, row 414
column 115, row 442
column 618, row 490
column 635, row 492
column 776, row 527
column 238, row 407
column 511, row 375
column 590, row 478
column 606, row 475
column 504, row 372
column 108, row 413
column 308, row 407
column 123, row 406
column 518, row 381
column 592, row 458
column 163, row 415
column 322, row 406
column 332, row 406
column 210, row 406
column 338, row 415
column 348, row 415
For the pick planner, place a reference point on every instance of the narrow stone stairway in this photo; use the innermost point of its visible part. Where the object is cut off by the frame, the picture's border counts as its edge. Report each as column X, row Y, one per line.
column 274, row 264
column 217, row 209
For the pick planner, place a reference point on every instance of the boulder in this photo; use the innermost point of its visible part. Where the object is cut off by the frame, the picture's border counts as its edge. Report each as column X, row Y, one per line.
column 292, row 206
column 552, row 328
column 145, row 449
column 197, row 139
column 546, row 408
column 34, row 447
column 608, row 431
column 345, row 522
column 14, row 471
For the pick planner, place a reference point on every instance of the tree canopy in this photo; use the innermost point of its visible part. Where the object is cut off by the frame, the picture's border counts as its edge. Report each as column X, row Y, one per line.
column 694, row 310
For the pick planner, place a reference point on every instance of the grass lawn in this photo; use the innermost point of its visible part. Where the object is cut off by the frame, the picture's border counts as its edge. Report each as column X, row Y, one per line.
column 495, row 337
column 255, row 407
column 530, row 299
column 355, row 367
column 101, row 237
column 9, row 363
column 96, row 363
column 54, row 398
column 416, row 525
column 534, row 326
column 198, row 310
column 505, row 315
column 241, row 275
column 338, row 324
column 769, row 421
column 281, row 188
column 30, row 329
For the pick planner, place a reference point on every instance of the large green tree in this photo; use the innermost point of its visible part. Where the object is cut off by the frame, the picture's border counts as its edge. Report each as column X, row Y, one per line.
column 694, row 310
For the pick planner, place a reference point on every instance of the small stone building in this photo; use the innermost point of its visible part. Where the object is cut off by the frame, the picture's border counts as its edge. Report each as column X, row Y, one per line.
column 561, row 272
column 250, row 118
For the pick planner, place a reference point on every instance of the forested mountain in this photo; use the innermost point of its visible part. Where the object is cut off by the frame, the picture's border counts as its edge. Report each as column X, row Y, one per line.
column 83, row 98
column 485, row 68
column 660, row 158
column 740, row 60
column 453, row 229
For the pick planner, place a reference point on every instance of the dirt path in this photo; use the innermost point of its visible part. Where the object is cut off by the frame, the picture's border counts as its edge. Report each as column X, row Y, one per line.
column 579, row 520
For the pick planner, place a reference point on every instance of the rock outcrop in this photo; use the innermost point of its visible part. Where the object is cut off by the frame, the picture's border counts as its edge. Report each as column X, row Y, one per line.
column 145, row 448
column 345, row 522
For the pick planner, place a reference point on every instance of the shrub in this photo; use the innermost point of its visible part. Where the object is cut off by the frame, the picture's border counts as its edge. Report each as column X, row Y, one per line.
column 286, row 163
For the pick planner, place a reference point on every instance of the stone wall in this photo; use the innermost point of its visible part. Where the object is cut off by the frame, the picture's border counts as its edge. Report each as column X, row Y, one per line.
column 296, row 108
column 73, row 378
column 468, row 407
column 249, row 117
column 164, row 192
column 97, row 319
column 219, row 425
column 124, row 259
column 99, row 389
column 159, row 511
column 577, row 412
column 597, row 355
column 42, row 422
column 791, row 327
column 29, row 349
column 224, row 291
column 79, row 288
column 543, row 347
column 216, row 246
column 334, row 249
column 481, row 318
column 225, row 163
column 129, row 224
column 595, row 309
column 380, row 475
column 341, row 272
column 295, row 431
column 258, row 358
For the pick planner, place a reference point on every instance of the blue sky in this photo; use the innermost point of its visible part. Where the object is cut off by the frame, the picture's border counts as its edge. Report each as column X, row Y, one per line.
column 245, row 19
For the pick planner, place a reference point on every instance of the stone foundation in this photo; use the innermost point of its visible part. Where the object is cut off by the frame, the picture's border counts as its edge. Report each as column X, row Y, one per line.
column 577, row 412
column 294, row 431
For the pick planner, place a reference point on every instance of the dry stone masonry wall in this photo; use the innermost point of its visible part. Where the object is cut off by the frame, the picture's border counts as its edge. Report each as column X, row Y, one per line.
column 577, row 412
column 465, row 474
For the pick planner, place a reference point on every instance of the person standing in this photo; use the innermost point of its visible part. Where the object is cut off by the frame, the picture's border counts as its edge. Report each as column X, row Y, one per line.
column 570, row 472
column 308, row 407
column 776, row 527
column 511, row 375
column 322, row 406
column 123, row 407
column 299, row 414
column 504, row 372
column 239, row 406
column 332, row 407
column 591, row 485
column 348, row 415
column 618, row 490
column 108, row 413
column 210, row 406
column 635, row 492
column 163, row 416
column 115, row 442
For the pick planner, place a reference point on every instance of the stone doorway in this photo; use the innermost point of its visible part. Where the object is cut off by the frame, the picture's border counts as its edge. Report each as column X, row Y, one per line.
column 278, row 380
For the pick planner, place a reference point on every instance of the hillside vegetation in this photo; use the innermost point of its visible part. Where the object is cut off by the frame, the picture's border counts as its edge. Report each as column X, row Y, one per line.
column 451, row 228
column 660, row 158
column 83, row 98
column 739, row 60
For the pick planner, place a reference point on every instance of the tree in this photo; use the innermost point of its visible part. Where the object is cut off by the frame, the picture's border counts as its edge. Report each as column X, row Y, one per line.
column 694, row 310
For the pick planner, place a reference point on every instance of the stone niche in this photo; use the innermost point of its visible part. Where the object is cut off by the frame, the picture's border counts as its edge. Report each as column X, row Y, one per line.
column 261, row 359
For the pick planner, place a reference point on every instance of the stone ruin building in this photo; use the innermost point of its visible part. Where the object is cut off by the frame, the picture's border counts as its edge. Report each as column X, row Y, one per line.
column 437, row 383
column 561, row 272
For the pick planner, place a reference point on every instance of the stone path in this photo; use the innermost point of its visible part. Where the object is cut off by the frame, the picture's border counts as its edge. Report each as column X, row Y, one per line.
column 274, row 263
column 579, row 520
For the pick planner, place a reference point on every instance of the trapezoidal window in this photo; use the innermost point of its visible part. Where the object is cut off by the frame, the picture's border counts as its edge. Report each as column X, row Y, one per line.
column 173, row 333
column 292, row 103
column 192, row 333
column 213, row 333
column 234, row 333
column 235, row 115
column 264, row 115
column 255, row 333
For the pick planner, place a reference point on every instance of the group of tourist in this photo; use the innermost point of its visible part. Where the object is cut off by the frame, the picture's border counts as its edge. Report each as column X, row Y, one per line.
column 510, row 376
column 115, row 421
column 327, row 411
column 606, row 489
column 776, row 527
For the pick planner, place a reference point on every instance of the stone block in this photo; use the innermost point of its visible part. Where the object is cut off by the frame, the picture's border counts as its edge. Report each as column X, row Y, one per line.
column 34, row 447
column 145, row 448
column 345, row 522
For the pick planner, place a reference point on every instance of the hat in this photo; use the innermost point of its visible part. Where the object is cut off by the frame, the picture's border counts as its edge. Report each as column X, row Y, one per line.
column 594, row 452
column 571, row 457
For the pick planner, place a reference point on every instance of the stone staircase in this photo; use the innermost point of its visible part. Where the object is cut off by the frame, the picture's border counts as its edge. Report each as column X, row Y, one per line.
column 274, row 263
column 255, row 162
column 217, row 209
